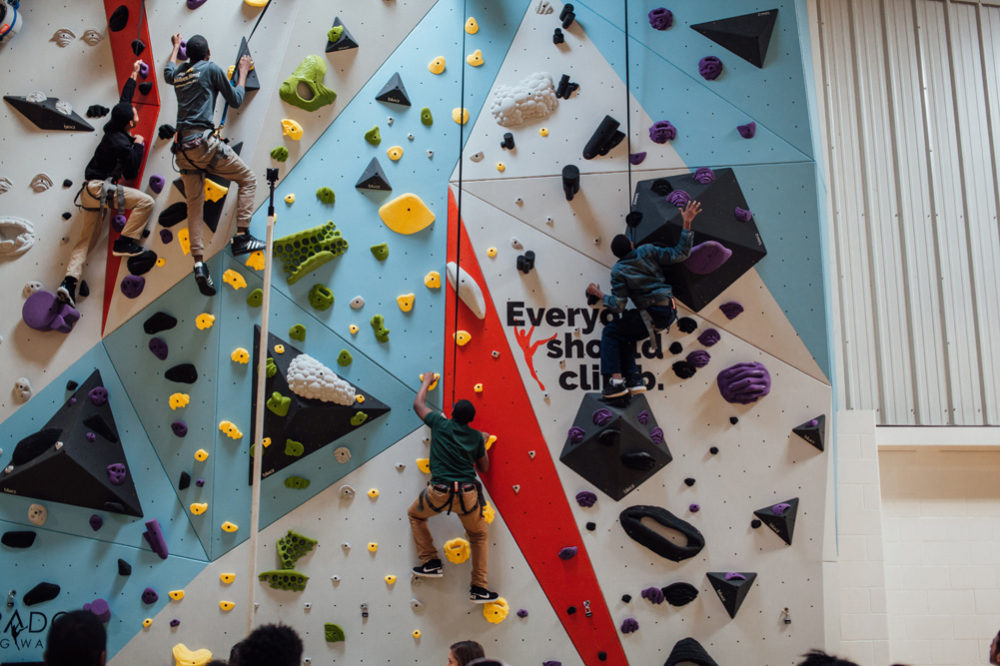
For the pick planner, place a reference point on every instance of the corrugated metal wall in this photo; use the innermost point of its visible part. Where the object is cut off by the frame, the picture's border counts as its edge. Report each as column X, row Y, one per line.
column 910, row 91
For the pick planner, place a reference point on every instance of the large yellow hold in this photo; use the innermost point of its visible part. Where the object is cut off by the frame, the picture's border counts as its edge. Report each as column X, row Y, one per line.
column 186, row 657
column 406, row 214
column 214, row 191
column 496, row 612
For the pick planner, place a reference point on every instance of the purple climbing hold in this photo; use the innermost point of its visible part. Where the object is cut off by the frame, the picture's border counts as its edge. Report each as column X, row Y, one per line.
column 149, row 596
column 159, row 348
column 704, row 175
column 732, row 309
column 100, row 608
column 91, row 437
column 551, row 663
column 174, row 623
column 742, row 214
column 118, row 222
column 735, row 575
column 678, row 198
column 522, row 613
column 744, row 383
column 179, row 427
column 154, row 537
column 684, row 369
column 656, row 434
column 643, row 417
column 182, row 53
column 117, row 473
column 699, row 358
column 629, row 625
column 747, row 131
column 780, row 508
column 156, row 183
column 709, row 337
column 662, row 131
column 635, row 159
column 98, row 396
column 813, row 422
column 694, row 508
column 602, row 416
column 95, row 522
column 586, row 499
column 132, row 285
column 575, row 434
column 195, row 4
column 72, row 400
column 707, row 257
column 653, row 594
column 567, row 552
column 43, row 311
column 166, row 235
column 660, row 18
column 143, row 70
column 710, row 68
column 199, row 482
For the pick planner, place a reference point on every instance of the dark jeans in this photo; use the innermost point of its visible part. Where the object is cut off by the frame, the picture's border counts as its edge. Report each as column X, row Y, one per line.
column 619, row 338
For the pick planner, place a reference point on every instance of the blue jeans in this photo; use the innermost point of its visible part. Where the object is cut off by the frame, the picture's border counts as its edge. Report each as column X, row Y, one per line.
column 619, row 338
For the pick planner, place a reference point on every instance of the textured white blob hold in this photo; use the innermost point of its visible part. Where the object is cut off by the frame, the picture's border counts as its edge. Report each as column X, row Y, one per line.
column 468, row 289
column 308, row 378
column 532, row 98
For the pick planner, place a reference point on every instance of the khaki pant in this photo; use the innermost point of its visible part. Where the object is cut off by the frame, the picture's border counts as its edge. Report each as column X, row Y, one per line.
column 473, row 521
column 141, row 205
column 215, row 157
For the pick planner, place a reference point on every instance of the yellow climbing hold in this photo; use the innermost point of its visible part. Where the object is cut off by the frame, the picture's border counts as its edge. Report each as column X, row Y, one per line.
column 433, row 280
column 457, row 550
column 198, row 508
column 227, row 606
column 147, row 623
column 478, row 388
column 176, row 595
column 230, row 430
column 229, row 527
column 201, row 455
column 472, row 26
column 256, row 3
column 290, row 198
column 227, row 578
column 394, row 153
column 187, row 657
column 462, row 338
column 372, row 547
column 489, row 513
column 436, row 66
column 291, row 129
column 424, row 465
column 405, row 301
column 240, row 355
column 390, row 580
column 415, row 633
column 184, row 239
column 266, row 442
column 178, row 400
column 491, row 440
column 279, row 349
column 433, row 384
column 543, row 131
column 406, row 214
column 353, row 328
column 358, row 398
column 160, row 261
column 501, row 167
column 214, row 191
column 234, row 279
column 204, row 320
column 475, row 58
column 460, row 115
column 255, row 260
column 373, row 493
column 491, row 252
column 496, row 612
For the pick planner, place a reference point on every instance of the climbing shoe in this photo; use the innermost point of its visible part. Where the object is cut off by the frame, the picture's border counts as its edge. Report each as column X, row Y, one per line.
column 480, row 595
column 614, row 388
column 635, row 385
column 67, row 291
column 245, row 244
column 430, row 569
column 204, row 279
column 126, row 247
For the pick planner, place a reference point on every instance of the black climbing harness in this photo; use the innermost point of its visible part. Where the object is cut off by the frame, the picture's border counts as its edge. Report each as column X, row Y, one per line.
column 454, row 489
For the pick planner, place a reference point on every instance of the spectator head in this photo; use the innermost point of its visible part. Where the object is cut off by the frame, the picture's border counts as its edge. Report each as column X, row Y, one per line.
column 995, row 649
column 462, row 413
column 820, row 658
column 486, row 661
column 463, row 653
column 621, row 246
column 197, row 49
column 76, row 638
column 268, row 645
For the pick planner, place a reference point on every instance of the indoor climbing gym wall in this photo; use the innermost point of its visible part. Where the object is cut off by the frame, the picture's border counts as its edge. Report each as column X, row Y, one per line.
column 450, row 176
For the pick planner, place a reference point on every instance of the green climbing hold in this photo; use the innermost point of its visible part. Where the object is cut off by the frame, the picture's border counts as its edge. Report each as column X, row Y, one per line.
column 426, row 117
column 326, row 195
column 293, row 448
column 297, row 482
column 333, row 633
column 381, row 251
column 373, row 136
column 358, row 418
column 284, row 580
column 255, row 298
column 270, row 367
column 334, row 33
column 381, row 332
column 279, row 404
column 309, row 74
column 303, row 252
column 344, row 358
column 320, row 297
column 279, row 154
column 297, row 332
column 291, row 547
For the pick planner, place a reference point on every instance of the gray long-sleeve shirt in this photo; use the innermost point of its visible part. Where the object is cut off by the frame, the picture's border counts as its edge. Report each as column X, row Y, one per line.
column 639, row 275
column 197, row 87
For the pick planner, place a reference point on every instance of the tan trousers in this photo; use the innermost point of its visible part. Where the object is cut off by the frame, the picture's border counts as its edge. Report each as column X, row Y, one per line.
column 473, row 521
column 141, row 205
column 215, row 157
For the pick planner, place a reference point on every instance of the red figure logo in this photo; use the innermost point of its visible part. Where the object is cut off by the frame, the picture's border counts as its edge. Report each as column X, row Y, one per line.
column 529, row 349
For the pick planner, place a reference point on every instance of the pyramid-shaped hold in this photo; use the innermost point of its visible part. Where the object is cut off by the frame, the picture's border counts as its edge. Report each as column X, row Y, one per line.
column 374, row 178
column 394, row 92
column 45, row 115
column 344, row 41
column 616, row 447
column 748, row 36
column 661, row 223
column 302, row 426
column 732, row 588
column 253, row 83
column 813, row 431
column 780, row 517
column 212, row 210
column 76, row 458
column 688, row 650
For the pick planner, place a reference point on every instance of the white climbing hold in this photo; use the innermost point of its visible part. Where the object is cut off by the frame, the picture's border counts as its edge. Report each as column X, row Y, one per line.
column 343, row 455
column 64, row 107
column 357, row 302
column 308, row 378
column 41, row 182
column 37, row 514
column 468, row 289
column 516, row 243
column 17, row 235
column 532, row 98
column 477, row 157
column 22, row 389
column 36, row 97
column 92, row 36
column 63, row 36
column 5, row 184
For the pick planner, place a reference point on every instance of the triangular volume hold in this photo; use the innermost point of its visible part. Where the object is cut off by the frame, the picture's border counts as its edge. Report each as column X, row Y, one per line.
column 76, row 458
column 780, row 517
column 253, row 83
column 344, row 39
column 47, row 116
column 732, row 588
column 813, row 431
column 748, row 36
column 394, row 92
column 374, row 178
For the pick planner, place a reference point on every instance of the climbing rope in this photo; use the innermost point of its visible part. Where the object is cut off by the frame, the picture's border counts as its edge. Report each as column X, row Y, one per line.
column 628, row 122
column 458, row 235
column 236, row 70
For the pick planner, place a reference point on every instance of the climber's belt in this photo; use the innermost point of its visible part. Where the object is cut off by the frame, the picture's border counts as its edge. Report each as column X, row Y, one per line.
column 449, row 487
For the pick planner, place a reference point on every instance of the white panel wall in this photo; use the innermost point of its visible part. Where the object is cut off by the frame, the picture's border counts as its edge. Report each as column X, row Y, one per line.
column 911, row 97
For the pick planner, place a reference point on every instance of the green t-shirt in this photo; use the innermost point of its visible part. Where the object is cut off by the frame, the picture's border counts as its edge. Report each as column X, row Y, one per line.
column 455, row 448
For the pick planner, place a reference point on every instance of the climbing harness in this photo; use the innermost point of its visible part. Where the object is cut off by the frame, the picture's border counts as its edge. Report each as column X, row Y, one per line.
column 454, row 489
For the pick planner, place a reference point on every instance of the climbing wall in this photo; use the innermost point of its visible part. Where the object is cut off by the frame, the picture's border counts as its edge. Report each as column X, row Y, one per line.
column 407, row 191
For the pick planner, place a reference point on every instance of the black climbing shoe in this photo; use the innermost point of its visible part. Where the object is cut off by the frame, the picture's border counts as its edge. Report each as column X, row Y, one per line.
column 480, row 595
column 431, row 569
column 635, row 385
column 126, row 247
column 614, row 388
column 245, row 244
column 204, row 279
column 67, row 291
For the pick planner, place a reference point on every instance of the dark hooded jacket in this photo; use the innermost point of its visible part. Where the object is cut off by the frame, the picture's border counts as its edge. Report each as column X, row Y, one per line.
column 117, row 154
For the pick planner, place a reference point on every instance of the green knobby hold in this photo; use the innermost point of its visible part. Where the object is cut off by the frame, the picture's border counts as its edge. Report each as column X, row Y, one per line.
column 426, row 117
column 270, row 367
column 304, row 251
column 279, row 404
column 381, row 332
column 284, row 580
column 358, row 418
column 255, row 298
column 334, row 33
column 320, row 297
column 309, row 73
column 344, row 358
column 297, row 332
column 279, row 154
column 381, row 251
column 326, row 195
column 333, row 633
column 293, row 448
column 297, row 482
column 291, row 547
column 373, row 136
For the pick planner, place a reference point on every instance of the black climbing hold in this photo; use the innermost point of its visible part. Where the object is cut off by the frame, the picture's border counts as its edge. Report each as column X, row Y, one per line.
column 34, row 445
column 627, row 598
column 679, row 594
column 394, row 92
column 184, row 482
column 689, row 650
column 373, row 178
column 631, row 518
column 567, row 17
column 634, row 218
column 755, row 523
column 145, row 87
column 138, row 46
column 118, row 19
column 689, row 481
column 558, row 37
column 66, row 215
column 253, row 81
column 344, row 42
column 124, row 568
column 97, row 111
column 812, row 431
column 602, row 655
column 566, row 87
column 780, row 517
column 684, row 369
column 45, row 115
column 732, row 588
column 639, row 460
column 571, row 610
column 173, row 214
column 71, row 385
column 687, row 324
column 160, row 321
column 570, row 180
column 166, row 131
column 734, row 420
column 141, row 263
column 184, row 373
column 84, row 289
column 714, row 450
column 605, row 137
column 567, row 9
column 675, row 347
column 97, row 424
column 67, row 183
column 748, row 36
column 508, row 141
column 41, row 592
column 526, row 261
column 591, row 526
column 18, row 539
column 145, row 232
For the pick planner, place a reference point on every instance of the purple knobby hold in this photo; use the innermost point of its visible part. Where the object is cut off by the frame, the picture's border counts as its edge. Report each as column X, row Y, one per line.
column 747, row 131
column 643, row 417
column 660, row 18
column 710, row 68
column 709, row 337
column 575, row 434
column 100, row 608
column 132, row 285
column 678, row 198
column 586, row 499
column 699, row 358
column 551, row 663
column 195, row 4
column 635, row 159
column 182, row 53
column 91, row 437
column 602, row 416
column 149, row 596
column 735, row 575
column 159, row 348
column 143, row 70
column 174, row 623
column 118, row 223
column 43, row 311
column 694, row 508
column 567, row 552
column 98, row 396
column 154, row 537
column 72, row 400
column 116, row 473
column 179, row 427
column 732, row 309
column 629, row 625
column 653, row 594
column 704, row 175
column 813, row 423
column 96, row 522
column 656, row 435
column 707, row 257
column 744, row 383
column 780, row 508
column 742, row 214
column 199, row 482
column 522, row 613
column 166, row 235
column 156, row 183
column 662, row 131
